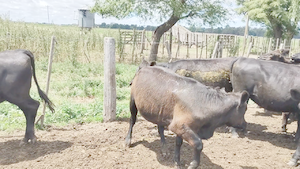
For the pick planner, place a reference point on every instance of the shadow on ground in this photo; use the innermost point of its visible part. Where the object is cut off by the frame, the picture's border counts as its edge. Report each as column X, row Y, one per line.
column 11, row 152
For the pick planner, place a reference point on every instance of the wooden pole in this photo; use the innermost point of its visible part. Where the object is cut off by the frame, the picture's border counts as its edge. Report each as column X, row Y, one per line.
column 246, row 33
column 196, row 42
column 249, row 49
column 42, row 117
column 215, row 52
column 171, row 37
column 168, row 50
column 270, row 45
column 277, row 43
column 187, row 45
column 109, row 105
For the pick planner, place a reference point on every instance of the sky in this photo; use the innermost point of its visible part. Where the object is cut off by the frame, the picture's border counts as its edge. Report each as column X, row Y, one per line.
column 66, row 12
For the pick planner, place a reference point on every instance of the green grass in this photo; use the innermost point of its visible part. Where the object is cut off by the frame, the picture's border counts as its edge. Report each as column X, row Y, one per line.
column 76, row 91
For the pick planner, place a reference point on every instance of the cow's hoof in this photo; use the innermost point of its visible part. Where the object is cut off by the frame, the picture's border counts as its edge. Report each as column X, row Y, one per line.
column 193, row 165
column 235, row 135
column 292, row 162
column 127, row 142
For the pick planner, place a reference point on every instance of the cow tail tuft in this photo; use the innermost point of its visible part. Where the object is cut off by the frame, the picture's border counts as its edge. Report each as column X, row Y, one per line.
column 41, row 93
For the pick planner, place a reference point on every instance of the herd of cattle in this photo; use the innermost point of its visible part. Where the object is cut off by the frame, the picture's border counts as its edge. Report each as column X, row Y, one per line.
column 190, row 97
column 194, row 97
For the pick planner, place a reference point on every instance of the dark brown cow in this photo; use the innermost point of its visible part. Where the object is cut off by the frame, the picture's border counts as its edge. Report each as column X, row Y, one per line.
column 188, row 108
column 272, row 85
column 16, row 70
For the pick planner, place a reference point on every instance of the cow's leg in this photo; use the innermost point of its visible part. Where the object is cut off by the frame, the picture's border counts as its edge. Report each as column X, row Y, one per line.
column 29, row 108
column 192, row 138
column 285, row 117
column 177, row 150
column 133, row 111
column 161, row 130
column 296, row 155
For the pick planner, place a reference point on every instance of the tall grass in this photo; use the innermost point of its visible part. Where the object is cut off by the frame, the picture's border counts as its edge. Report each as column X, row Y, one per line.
column 76, row 86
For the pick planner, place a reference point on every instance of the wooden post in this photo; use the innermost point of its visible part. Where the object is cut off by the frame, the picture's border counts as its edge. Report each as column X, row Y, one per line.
column 270, row 45
column 246, row 33
column 187, row 45
column 171, row 37
column 249, row 49
column 178, row 46
column 109, row 105
column 277, row 43
column 42, row 117
column 201, row 45
column 196, row 43
column 143, row 41
column 168, row 50
column 206, row 46
column 220, row 50
column 283, row 45
column 215, row 52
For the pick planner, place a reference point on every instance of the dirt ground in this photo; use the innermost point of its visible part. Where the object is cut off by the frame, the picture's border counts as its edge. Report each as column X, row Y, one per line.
column 101, row 145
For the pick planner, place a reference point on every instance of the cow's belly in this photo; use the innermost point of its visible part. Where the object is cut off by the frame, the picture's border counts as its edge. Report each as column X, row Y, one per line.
column 276, row 104
column 156, row 116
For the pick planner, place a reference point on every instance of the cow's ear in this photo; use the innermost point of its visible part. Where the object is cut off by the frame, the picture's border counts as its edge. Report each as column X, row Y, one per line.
column 295, row 94
column 153, row 63
column 245, row 97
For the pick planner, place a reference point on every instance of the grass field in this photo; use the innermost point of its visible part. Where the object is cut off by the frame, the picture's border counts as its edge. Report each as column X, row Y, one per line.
column 76, row 86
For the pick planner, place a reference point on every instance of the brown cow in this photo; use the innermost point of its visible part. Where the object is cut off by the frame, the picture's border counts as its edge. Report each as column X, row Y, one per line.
column 188, row 108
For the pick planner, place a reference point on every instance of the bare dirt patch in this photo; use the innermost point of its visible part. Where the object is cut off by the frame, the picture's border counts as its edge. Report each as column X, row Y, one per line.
column 101, row 145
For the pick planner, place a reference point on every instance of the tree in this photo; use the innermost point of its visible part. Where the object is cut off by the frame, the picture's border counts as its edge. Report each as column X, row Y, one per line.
column 279, row 16
column 170, row 11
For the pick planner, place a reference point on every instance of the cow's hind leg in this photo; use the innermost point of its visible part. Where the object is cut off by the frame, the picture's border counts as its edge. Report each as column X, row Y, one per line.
column 29, row 108
column 192, row 138
column 285, row 117
column 133, row 111
column 161, row 130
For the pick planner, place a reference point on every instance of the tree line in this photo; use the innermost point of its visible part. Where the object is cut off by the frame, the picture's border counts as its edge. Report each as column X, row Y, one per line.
column 219, row 30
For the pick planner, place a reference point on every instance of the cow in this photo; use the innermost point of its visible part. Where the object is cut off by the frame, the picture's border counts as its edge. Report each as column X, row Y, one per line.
column 188, row 108
column 16, row 70
column 276, row 55
column 211, row 72
column 296, row 58
column 272, row 85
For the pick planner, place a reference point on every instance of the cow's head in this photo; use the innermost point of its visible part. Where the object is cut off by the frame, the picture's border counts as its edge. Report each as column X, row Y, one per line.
column 237, row 119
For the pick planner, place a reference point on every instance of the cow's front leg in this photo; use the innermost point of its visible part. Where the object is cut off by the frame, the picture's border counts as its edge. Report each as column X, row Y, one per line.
column 296, row 155
column 192, row 138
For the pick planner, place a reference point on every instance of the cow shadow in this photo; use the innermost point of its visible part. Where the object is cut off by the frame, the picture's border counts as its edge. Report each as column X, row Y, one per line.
column 186, row 154
column 11, row 152
column 284, row 140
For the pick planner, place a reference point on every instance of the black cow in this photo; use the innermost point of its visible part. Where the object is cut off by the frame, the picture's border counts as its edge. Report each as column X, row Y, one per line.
column 272, row 85
column 188, row 108
column 296, row 58
column 16, row 70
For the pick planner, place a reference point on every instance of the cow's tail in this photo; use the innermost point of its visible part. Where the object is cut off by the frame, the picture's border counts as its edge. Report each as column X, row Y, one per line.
column 41, row 93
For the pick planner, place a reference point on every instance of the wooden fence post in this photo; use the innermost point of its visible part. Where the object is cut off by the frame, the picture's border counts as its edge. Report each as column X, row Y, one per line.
column 270, row 45
column 249, row 49
column 109, row 105
column 215, row 52
column 42, row 117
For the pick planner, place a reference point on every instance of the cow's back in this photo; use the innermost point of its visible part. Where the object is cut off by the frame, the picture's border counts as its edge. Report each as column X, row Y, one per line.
column 15, row 70
column 210, row 72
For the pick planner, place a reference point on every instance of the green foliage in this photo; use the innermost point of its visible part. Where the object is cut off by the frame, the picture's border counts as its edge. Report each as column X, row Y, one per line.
column 281, row 17
column 209, row 12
